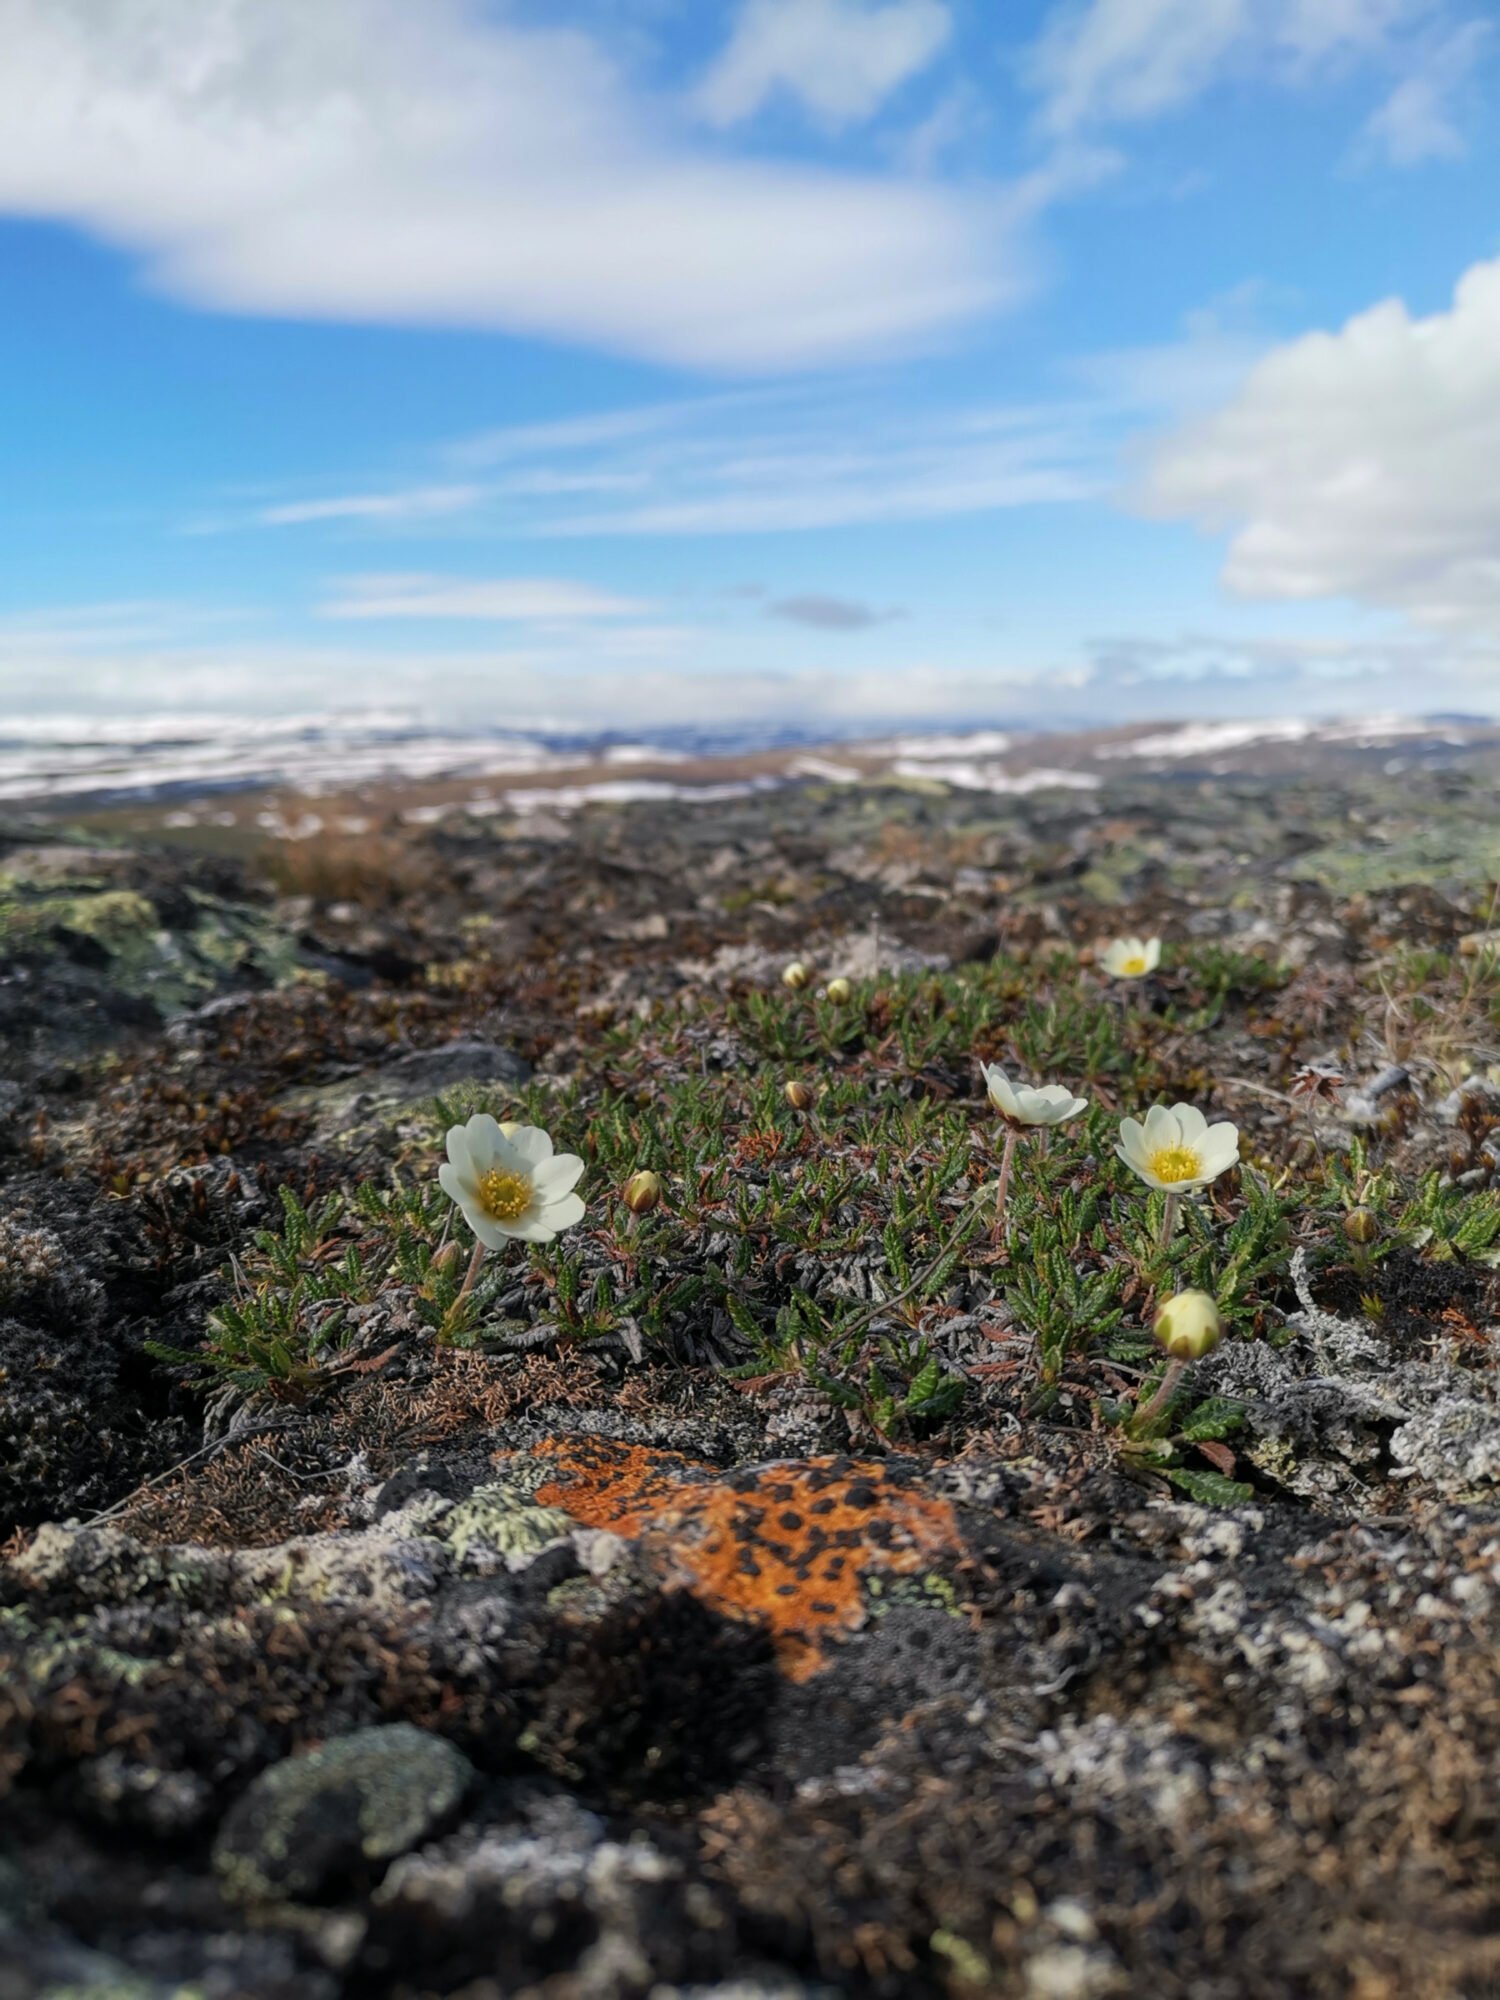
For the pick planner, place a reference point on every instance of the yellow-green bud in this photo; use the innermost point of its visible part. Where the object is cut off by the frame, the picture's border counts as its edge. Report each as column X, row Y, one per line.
column 1188, row 1326
column 798, row 1094
column 1360, row 1225
column 840, row 990
column 642, row 1192
column 795, row 975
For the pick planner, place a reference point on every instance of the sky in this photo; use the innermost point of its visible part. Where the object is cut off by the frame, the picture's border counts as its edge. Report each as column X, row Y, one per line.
column 797, row 363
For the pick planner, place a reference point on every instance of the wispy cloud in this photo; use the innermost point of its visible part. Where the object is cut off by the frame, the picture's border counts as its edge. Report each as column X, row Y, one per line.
column 1425, row 115
column 839, row 58
column 503, row 599
column 816, row 465
column 1120, row 62
column 418, row 503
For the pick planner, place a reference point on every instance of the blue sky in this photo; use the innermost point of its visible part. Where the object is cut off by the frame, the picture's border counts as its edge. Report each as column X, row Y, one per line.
column 812, row 361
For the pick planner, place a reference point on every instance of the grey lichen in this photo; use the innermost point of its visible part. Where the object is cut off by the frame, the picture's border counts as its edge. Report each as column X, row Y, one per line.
column 355, row 1803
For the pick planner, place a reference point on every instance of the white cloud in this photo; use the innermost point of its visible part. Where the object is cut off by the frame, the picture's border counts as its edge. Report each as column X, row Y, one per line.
column 1420, row 120
column 416, row 504
column 841, row 58
column 1121, row 61
column 440, row 165
column 519, row 598
column 1360, row 464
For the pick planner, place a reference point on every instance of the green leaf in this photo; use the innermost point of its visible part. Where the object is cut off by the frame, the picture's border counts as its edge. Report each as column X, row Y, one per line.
column 1210, row 1489
column 1218, row 1417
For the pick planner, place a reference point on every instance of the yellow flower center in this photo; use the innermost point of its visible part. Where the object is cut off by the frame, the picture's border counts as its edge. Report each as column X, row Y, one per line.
column 1175, row 1163
column 1134, row 964
column 506, row 1196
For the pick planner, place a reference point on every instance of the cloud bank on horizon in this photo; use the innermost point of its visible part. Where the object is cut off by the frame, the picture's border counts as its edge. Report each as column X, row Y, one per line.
column 810, row 359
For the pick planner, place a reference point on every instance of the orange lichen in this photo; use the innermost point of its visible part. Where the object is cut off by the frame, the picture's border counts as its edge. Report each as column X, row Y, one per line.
column 790, row 1545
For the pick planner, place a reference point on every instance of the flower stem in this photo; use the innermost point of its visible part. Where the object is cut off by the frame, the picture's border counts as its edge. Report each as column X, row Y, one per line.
column 463, row 1291
column 1004, row 1188
column 1166, row 1388
column 1169, row 1217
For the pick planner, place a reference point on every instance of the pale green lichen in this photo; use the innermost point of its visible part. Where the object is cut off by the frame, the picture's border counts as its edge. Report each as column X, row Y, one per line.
column 929, row 1592
column 502, row 1522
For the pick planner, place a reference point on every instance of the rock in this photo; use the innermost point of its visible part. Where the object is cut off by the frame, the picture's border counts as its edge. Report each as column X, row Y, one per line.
column 374, row 1103
column 313, row 1821
column 466, row 1061
column 1481, row 1090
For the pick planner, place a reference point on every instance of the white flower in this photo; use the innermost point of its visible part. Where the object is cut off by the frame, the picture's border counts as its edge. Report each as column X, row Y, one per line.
column 1132, row 957
column 1051, row 1104
column 509, row 1182
column 1178, row 1149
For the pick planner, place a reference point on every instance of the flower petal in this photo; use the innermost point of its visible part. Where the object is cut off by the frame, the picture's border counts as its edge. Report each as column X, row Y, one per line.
column 542, row 1223
column 472, row 1209
column 1136, row 1164
column 457, row 1144
column 485, row 1141
column 1191, row 1123
column 1161, row 1128
column 530, row 1143
column 1151, row 952
column 1132, row 1142
column 1220, row 1149
column 1000, row 1091
column 556, row 1176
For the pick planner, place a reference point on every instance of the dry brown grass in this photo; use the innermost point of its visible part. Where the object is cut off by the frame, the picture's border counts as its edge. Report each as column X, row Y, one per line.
column 374, row 871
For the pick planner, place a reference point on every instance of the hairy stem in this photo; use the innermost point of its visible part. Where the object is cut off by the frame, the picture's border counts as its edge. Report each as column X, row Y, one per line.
column 464, row 1289
column 1169, row 1217
column 1166, row 1388
column 1004, row 1188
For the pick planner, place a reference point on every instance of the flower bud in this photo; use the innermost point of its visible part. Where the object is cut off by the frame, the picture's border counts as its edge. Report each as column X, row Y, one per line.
column 642, row 1192
column 839, row 990
column 1188, row 1326
column 795, row 975
column 1360, row 1225
column 798, row 1094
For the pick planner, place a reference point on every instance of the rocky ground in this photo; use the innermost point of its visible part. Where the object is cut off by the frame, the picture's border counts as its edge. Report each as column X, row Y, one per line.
column 781, row 1592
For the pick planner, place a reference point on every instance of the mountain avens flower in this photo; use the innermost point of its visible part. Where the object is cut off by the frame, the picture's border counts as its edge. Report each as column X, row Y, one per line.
column 509, row 1182
column 642, row 1192
column 1132, row 957
column 1188, row 1326
column 1023, row 1108
column 1019, row 1104
column 839, row 990
column 1177, row 1149
column 798, row 1094
column 795, row 975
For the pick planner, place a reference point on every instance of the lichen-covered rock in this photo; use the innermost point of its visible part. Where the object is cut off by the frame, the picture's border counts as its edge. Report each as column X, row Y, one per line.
column 315, row 1820
column 355, row 1110
column 91, row 942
